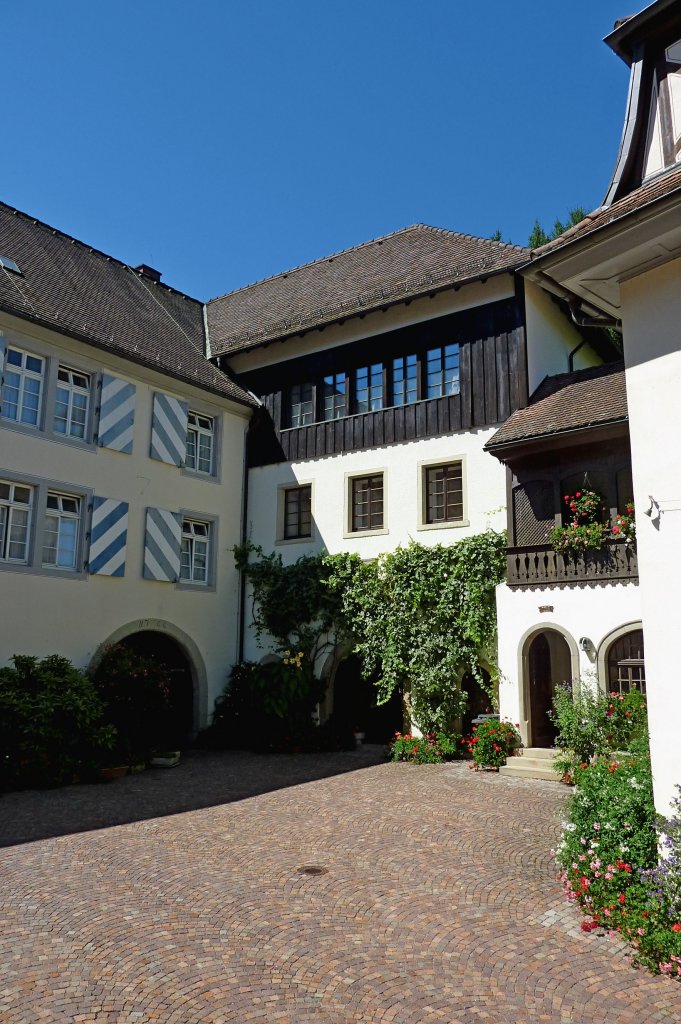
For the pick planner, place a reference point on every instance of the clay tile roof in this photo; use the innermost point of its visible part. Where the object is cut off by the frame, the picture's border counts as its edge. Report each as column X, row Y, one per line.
column 568, row 401
column 79, row 291
column 406, row 264
column 649, row 192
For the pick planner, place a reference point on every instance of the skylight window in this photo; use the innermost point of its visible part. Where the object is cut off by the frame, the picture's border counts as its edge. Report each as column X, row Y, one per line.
column 9, row 264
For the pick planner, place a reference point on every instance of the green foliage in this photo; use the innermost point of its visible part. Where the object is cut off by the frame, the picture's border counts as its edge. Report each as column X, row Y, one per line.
column 422, row 617
column 593, row 724
column 608, row 856
column 430, row 749
column 585, row 530
column 292, row 603
column 135, row 690
column 539, row 237
column 269, row 708
column 51, row 723
column 492, row 742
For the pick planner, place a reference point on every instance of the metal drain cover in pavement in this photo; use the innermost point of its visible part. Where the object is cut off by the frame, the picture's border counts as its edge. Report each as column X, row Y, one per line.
column 312, row 869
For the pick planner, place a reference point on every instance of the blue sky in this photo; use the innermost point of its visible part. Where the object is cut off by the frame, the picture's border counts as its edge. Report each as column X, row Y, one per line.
column 222, row 141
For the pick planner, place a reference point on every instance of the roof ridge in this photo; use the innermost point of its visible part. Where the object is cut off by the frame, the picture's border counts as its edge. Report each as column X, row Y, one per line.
column 361, row 245
column 92, row 249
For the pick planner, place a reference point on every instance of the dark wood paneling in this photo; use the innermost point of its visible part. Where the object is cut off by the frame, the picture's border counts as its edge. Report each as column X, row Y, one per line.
column 493, row 382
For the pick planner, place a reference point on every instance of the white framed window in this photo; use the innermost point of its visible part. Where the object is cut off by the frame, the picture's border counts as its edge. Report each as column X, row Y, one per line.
column 195, row 553
column 61, row 530
column 297, row 512
column 16, row 501
column 22, row 386
column 72, row 403
column 301, row 405
column 442, row 371
column 200, row 443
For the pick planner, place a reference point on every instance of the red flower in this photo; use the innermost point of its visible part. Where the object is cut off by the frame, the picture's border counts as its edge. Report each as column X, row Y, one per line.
column 615, row 529
column 578, row 494
column 623, row 899
column 588, row 926
column 676, row 927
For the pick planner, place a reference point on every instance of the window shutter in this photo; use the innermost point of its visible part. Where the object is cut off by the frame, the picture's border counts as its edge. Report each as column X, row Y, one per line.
column 169, row 429
column 108, row 537
column 162, row 545
column 116, row 414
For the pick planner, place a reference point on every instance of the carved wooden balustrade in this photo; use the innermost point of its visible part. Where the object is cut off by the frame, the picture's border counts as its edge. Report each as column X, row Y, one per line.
column 541, row 566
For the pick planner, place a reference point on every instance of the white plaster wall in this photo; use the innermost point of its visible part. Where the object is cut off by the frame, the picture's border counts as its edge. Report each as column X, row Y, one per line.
column 651, row 316
column 485, row 487
column 45, row 614
column 579, row 611
column 550, row 338
column 355, row 329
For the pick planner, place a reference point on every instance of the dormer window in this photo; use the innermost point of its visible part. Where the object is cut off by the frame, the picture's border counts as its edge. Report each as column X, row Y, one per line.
column 663, row 142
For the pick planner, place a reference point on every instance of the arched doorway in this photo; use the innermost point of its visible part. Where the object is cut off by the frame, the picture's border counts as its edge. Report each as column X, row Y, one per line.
column 354, row 708
column 547, row 663
column 178, row 718
column 625, row 663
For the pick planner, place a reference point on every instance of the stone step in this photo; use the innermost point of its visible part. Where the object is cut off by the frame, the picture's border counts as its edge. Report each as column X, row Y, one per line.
column 546, row 753
column 533, row 762
column 519, row 770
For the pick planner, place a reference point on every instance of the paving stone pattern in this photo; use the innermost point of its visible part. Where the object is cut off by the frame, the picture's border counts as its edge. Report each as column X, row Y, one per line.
column 437, row 902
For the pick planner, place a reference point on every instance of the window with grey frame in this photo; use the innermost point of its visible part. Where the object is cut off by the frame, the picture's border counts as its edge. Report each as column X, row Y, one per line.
column 16, row 503
column 298, row 512
column 366, row 503
column 334, row 396
column 22, row 386
column 200, row 443
column 626, row 664
column 444, row 493
column 72, row 403
column 369, row 388
column 195, row 551
column 405, row 376
column 302, row 411
column 61, row 530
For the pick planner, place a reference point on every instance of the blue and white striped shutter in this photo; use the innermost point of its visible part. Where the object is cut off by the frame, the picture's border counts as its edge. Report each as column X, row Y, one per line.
column 116, row 414
column 169, row 429
column 162, row 545
column 108, row 537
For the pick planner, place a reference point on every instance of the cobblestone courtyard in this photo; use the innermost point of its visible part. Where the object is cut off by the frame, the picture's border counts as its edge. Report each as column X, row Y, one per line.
column 436, row 902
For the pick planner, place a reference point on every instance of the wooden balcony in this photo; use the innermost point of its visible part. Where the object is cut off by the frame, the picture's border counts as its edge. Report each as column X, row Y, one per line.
column 541, row 566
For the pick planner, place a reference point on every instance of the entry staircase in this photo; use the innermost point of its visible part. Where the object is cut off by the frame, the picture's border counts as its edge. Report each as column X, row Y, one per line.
column 533, row 763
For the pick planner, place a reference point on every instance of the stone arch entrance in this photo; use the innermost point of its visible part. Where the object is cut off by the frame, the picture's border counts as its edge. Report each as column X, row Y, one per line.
column 351, row 701
column 162, row 641
column 548, row 662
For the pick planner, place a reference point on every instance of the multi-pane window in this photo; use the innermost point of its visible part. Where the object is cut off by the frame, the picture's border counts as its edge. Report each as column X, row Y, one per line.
column 297, row 512
column 626, row 665
column 442, row 371
column 15, row 521
column 22, row 387
column 444, row 493
column 369, row 388
column 334, row 387
column 200, row 433
column 195, row 551
column 71, row 403
column 367, row 503
column 60, row 535
column 405, row 380
column 302, row 405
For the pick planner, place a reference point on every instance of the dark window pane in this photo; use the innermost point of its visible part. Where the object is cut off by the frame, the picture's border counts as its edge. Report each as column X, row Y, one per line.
column 297, row 512
column 444, row 493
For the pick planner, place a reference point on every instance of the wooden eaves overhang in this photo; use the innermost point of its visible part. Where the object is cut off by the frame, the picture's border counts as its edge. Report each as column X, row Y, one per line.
column 559, row 440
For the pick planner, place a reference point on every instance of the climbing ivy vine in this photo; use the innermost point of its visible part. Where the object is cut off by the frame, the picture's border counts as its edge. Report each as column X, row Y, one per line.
column 419, row 617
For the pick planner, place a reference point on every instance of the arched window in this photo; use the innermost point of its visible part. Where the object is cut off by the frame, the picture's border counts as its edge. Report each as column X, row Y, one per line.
column 626, row 667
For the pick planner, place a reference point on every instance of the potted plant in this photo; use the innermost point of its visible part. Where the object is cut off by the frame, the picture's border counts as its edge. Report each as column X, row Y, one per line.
column 491, row 743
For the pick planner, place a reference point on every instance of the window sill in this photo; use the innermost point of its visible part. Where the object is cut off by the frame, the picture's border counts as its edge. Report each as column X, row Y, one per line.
column 195, row 588
column 47, row 435
column 357, row 534
column 454, row 524
column 197, row 474
column 295, row 540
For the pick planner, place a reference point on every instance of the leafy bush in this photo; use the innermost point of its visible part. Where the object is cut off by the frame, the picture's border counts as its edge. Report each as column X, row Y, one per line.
column 51, row 723
column 270, row 707
column 592, row 724
column 430, row 749
column 585, row 530
column 135, row 690
column 608, row 858
column 492, row 742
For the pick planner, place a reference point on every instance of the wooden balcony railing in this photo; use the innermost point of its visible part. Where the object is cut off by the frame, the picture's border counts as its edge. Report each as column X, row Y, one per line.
column 541, row 566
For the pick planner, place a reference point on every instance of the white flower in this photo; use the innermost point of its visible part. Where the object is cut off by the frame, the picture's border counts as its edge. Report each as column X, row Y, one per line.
column 570, row 827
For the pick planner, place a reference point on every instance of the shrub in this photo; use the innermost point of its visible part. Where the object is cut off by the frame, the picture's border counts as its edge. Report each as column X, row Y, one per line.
column 135, row 690
column 51, row 723
column 492, row 742
column 594, row 724
column 270, row 707
column 430, row 749
column 608, row 858
column 585, row 530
